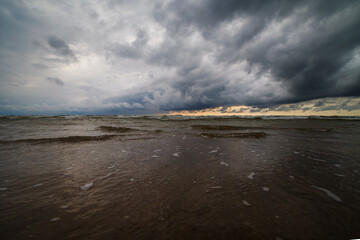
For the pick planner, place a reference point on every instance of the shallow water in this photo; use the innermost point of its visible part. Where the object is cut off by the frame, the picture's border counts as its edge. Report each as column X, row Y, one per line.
column 96, row 177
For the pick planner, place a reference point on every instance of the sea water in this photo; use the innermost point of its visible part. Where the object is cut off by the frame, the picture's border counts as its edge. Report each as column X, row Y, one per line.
column 173, row 177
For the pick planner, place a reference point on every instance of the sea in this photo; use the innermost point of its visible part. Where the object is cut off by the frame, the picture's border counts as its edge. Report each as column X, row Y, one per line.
column 178, row 177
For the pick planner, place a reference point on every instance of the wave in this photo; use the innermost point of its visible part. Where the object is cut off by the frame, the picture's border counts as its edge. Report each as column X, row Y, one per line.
column 235, row 135
column 314, row 129
column 125, row 130
column 231, row 128
column 69, row 139
column 225, row 127
column 116, row 129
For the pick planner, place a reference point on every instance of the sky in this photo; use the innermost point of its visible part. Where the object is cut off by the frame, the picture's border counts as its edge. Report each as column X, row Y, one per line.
column 146, row 57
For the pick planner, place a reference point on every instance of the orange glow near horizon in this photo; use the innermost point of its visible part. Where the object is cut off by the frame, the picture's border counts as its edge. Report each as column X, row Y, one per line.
column 318, row 107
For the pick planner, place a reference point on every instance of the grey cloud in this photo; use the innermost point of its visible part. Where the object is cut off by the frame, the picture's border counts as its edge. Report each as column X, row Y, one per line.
column 327, row 108
column 224, row 110
column 180, row 16
column 126, row 51
column 308, row 66
column 40, row 66
column 355, row 106
column 240, row 110
column 306, row 109
column 56, row 81
column 134, row 50
column 61, row 48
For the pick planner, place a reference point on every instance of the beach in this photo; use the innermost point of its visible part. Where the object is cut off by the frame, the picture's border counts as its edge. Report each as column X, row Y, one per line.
column 173, row 177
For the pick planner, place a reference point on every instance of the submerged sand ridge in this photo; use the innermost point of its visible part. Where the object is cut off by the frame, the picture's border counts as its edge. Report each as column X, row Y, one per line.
column 164, row 180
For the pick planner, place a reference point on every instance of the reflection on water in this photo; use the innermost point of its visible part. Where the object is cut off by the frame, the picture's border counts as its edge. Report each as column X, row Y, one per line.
column 147, row 178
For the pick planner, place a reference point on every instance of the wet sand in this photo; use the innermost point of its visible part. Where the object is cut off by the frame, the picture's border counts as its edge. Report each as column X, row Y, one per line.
column 153, row 178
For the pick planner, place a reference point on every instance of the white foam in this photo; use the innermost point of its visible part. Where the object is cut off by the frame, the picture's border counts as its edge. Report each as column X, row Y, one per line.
column 67, row 174
column 69, row 168
column 3, row 189
column 252, row 151
column 265, row 189
column 124, row 151
column 216, row 187
column 131, row 179
column 54, row 219
column 338, row 165
column 330, row 194
column 251, row 175
column 184, row 137
column 92, row 151
column 87, row 186
column 213, row 151
column 245, row 203
column 292, row 177
column 106, row 176
column 296, row 152
column 157, row 150
column 317, row 159
column 111, row 167
column 176, row 154
column 38, row 185
column 155, row 156
column 339, row 175
column 224, row 163
column 64, row 206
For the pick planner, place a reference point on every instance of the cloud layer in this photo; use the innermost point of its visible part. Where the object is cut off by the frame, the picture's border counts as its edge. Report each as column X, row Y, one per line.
column 129, row 57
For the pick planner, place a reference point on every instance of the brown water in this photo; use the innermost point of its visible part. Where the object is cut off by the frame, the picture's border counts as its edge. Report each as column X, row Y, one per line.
column 165, row 178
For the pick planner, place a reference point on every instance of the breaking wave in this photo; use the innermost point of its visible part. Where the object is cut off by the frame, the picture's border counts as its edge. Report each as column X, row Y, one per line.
column 69, row 139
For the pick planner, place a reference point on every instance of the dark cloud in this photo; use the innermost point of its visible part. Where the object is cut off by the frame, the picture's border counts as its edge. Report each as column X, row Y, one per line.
column 320, row 103
column 134, row 50
column 56, row 81
column 303, row 45
column 61, row 48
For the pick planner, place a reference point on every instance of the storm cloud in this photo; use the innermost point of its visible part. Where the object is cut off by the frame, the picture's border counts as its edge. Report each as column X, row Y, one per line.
column 61, row 48
column 308, row 47
column 124, row 56
column 56, row 81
